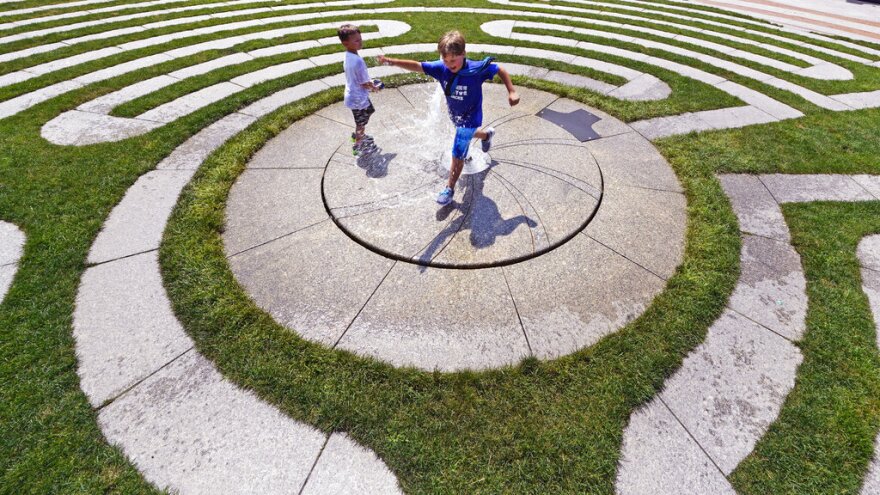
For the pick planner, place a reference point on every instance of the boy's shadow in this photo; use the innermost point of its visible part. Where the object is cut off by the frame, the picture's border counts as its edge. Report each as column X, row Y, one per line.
column 480, row 215
column 374, row 162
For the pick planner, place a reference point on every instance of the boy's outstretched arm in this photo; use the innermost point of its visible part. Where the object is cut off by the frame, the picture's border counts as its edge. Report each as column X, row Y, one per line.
column 512, row 95
column 410, row 65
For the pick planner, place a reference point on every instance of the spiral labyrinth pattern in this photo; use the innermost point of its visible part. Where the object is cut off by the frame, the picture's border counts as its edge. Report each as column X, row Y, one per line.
column 581, row 267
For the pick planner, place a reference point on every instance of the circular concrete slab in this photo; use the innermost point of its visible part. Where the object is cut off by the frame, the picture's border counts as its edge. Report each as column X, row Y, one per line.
column 354, row 253
column 382, row 198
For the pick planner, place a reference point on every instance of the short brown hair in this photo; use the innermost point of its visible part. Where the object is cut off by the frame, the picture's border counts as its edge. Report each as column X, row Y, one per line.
column 451, row 43
column 347, row 30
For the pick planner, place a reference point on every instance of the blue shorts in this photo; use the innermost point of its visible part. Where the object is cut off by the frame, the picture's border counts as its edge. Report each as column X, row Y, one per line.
column 463, row 136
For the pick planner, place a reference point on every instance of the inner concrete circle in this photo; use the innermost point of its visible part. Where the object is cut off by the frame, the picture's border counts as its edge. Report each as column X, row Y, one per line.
column 505, row 204
column 287, row 250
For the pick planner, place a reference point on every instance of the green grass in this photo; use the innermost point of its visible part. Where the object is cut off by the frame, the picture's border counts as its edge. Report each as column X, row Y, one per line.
column 538, row 427
column 139, row 105
column 687, row 96
column 824, row 437
column 102, row 15
column 115, row 40
column 50, row 441
column 865, row 78
column 825, row 142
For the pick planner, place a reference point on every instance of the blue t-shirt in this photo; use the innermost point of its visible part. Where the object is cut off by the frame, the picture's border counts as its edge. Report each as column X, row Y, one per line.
column 464, row 89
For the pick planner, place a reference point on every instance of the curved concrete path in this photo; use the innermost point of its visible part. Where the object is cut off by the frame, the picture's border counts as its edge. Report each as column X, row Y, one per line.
column 854, row 19
column 42, row 8
column 533, row 193
column 705, row 16
column 161, row 24
column 186, row 427
column 848, row 101
column 716, row 407
column 89, row 56
column 106, row 10
column 817, row 69
column 636, row 10
column 11, row 248
column 869, row 257
column 130, row 389
column 91, row 123
column 746, row 116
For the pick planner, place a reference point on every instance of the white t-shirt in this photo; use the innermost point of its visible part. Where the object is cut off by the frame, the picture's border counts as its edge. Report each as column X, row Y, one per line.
column 356, row 97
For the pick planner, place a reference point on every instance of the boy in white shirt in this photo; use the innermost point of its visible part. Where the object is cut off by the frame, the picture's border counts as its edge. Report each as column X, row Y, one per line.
column 357, row 87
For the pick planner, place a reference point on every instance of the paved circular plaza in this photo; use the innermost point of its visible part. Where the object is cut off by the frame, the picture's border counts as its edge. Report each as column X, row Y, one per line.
column 562, row 233
column 568, row 228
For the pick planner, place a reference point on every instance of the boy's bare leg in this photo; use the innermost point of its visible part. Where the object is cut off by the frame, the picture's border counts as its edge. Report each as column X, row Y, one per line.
column 359, row 134
column 455, row 171
column 481, row 134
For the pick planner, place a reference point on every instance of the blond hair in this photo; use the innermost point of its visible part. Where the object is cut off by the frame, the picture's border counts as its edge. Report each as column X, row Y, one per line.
column 451, row 43
column 347, row 30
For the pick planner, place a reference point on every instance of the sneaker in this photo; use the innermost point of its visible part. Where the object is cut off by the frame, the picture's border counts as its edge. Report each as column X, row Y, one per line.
column 487, row 143
column 353, row 137
column 445, row 196
column 355, row 149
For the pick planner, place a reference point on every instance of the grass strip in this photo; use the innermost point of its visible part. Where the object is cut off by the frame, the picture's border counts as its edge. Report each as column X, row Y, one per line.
column 824, row 142
column 687, row 96
column 823, row 439
column 865, row 78
column 763, row 28
column 156, row 31
column 59, row 196
column 139, row 105
column 132, row 9
column 550, row 435
column 538, row 427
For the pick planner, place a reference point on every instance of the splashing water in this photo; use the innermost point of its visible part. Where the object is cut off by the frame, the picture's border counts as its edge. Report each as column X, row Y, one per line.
column 434, row 134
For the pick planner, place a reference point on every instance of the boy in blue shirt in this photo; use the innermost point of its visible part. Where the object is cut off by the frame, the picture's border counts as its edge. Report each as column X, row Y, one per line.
column 462, row 81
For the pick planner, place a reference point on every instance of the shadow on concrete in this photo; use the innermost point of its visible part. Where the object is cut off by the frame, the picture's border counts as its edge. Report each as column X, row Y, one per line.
column 373, row 162
column 479, row 214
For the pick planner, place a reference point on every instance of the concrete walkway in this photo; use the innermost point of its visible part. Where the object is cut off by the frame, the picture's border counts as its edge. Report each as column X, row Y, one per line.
column 552, row 242
column 855, row 19
column 143, row 375
column 11, row 248
column 869, row 257
column 523, row 262
column 90, row 123
column 729, row 389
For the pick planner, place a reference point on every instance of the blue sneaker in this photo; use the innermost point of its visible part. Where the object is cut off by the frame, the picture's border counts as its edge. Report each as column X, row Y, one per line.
column 487, row 143
column 445, row 196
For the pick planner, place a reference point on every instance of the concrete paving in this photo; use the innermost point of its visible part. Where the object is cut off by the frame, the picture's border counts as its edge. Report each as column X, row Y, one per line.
column 171, row 412
column 868, row 253
column 852, row 19
column 91, row 124
column 384, row 272
column 730, row 388
column 867, row 99
column 642, row 87
column 818, row 68
column 684, row 13
column 440, row 289
column 11, row 249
